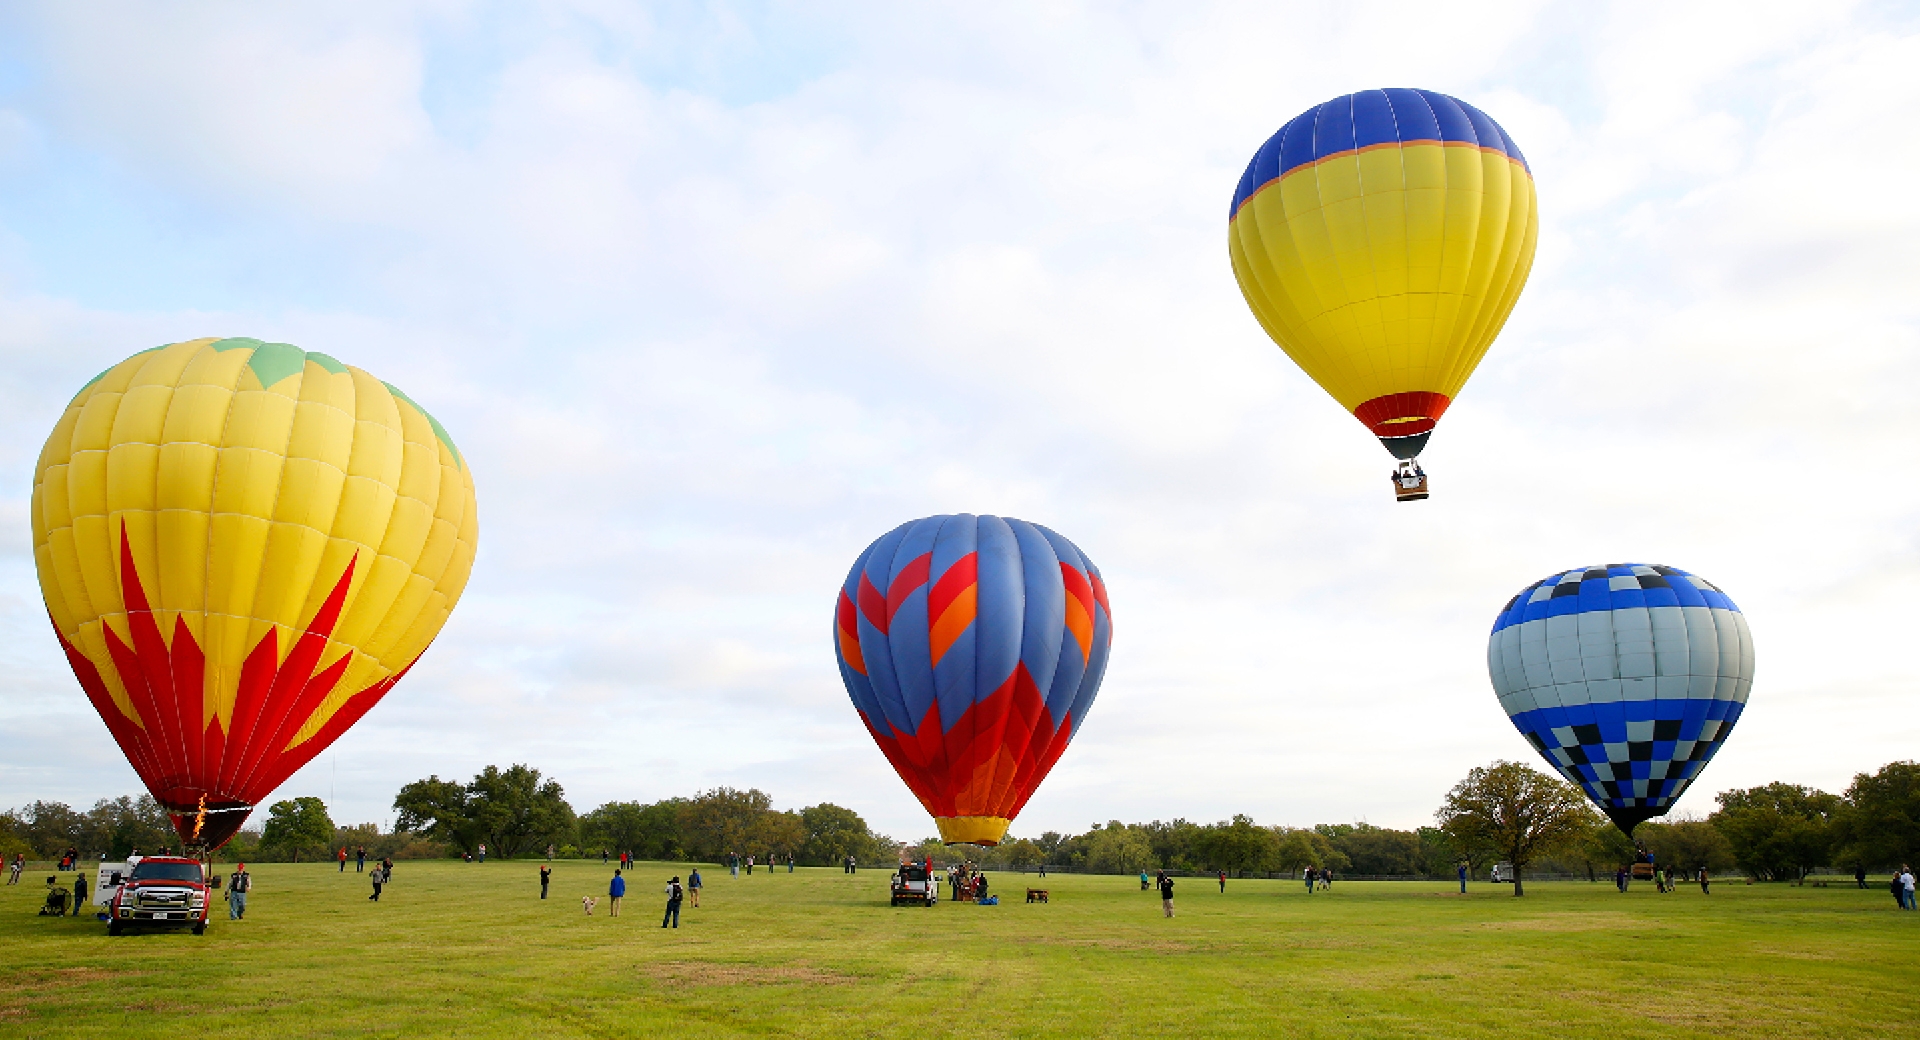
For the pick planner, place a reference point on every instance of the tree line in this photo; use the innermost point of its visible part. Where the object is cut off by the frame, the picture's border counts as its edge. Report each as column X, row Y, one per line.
column 1505, row 812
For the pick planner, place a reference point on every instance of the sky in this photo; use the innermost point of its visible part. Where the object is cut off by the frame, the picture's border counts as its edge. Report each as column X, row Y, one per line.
column 712, row 295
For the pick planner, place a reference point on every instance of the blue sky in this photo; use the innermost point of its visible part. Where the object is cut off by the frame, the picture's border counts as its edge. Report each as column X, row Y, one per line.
column 711, row 295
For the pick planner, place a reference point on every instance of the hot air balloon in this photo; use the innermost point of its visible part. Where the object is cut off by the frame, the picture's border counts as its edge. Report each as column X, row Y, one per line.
column 242, row 547
column 1381, row 240
column 972, row 647
column 1627, row 678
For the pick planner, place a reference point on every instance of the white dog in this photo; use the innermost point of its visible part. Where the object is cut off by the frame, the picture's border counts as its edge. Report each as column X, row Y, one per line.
column 586, row 903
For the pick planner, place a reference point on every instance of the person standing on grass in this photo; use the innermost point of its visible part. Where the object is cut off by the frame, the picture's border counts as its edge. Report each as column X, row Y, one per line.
column 733, row 863
column 379, row 879
column 674, row 892
column 1703, row 883
column 483, row 852
column 1326, row 879
column 19, row 864
column 359, row 859
column 1309, row 875
column 1166, row 894
column 79, row 889
column 1906, row 884
column 1899, row 892
column 239, row 883
column 1223, row 882
column 1860, row 876
column 1462, row 871
column 546, row 875
column 615, row 889
column 749, row 864
column 693, row 885
column 789, row 862
column 343, row 859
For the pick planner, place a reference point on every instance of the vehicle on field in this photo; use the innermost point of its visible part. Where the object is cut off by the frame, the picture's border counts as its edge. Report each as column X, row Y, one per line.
column 1502, row 874
column 157, row 892
column 915, row 883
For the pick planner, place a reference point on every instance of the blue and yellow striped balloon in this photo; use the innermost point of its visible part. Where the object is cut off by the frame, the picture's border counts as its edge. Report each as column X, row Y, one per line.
column 1381, row 240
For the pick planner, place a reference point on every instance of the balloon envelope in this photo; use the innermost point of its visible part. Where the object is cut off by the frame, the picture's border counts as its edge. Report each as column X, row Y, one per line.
column 1627, row 678
column 972, row 647
column 1382, row 239
column 242, row 547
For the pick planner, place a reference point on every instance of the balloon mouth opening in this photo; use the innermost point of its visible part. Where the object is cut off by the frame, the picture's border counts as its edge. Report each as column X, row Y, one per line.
column 972, row 830
column 1630, row 816
column 203, row 821
column 1405, row 448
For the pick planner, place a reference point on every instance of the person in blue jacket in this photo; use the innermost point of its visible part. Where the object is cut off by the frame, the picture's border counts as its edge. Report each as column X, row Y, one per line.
column 615, row 889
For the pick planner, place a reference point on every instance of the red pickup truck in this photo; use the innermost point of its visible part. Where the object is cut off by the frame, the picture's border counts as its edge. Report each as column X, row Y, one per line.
column 161, row 892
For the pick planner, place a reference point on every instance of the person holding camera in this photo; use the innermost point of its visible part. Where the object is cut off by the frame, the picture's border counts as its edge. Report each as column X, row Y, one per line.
column 674, row 894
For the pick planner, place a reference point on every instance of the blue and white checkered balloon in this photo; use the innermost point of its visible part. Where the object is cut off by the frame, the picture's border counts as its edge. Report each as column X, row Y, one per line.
column 1626, row 677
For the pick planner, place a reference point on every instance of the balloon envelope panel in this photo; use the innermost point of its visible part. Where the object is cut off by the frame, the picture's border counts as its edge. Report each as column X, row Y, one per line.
column 1381, row 239
column 972, row 647
column 242, row 547
column 1627, row 678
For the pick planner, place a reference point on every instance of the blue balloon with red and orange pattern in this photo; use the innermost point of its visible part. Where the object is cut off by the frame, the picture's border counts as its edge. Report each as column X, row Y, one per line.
column 972, row 647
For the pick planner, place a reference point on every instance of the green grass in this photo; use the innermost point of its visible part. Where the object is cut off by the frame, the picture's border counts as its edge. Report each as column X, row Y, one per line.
column 463, row 950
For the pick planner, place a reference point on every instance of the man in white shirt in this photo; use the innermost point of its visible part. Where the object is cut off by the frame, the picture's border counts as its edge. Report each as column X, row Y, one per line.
column 1906, row 884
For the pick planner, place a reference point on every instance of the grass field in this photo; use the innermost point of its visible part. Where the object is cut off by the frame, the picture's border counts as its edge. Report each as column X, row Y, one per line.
column 470, row 950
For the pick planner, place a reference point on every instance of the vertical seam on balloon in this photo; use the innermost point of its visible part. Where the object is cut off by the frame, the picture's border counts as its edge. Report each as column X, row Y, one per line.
column 253, row 606
column 400, row 429
column 352, row 594
column 206, row 582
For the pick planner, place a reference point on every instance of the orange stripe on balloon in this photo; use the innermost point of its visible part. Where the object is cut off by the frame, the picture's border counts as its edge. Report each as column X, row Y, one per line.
column 847, row 628
column 953, row 621
column 1079, row 609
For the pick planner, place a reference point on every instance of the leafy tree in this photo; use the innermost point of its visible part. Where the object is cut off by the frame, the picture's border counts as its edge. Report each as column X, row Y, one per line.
column 48, row 828
column 1686, row 845
column 437, row 809
column 1237, row 845
column 1050, row 842
column 117, row 826
column 648, row 831
column 1603, row 845
column 1298, row 847
column 515, row 811
column 1880, row 824
column 297, row 825
column 1377, row 850
column 1438, row 854
column 833, row 833
column 1778, row 831
column 781, row 834
column 511, row 810
column 1020, row 853
column 1516, row 812
column 714, row 823
column 1118, row 849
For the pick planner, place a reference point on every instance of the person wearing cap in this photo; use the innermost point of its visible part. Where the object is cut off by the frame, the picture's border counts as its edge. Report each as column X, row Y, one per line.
column 674, row 892
column 239, row 883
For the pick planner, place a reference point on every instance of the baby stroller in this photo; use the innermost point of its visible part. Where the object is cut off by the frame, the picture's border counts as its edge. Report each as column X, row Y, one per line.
column 56, row 904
